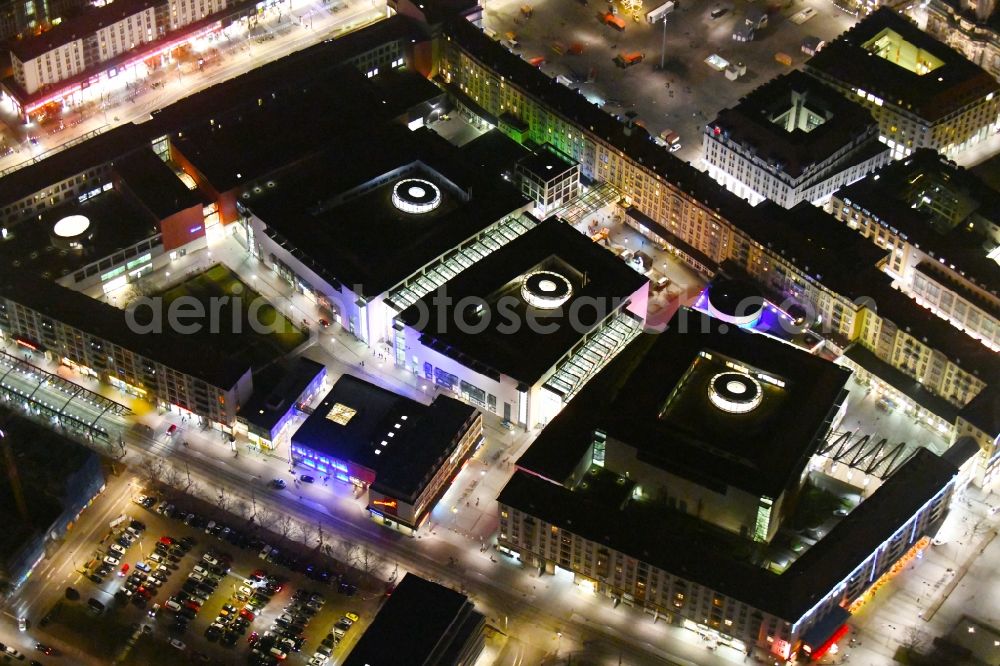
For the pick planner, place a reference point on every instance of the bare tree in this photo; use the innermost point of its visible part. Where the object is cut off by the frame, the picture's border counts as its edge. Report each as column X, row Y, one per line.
column 307, row 533
column 172, row 477
column 369, row 561
column 320, row 536
column 266, row 517
column 224, row 500
column 284, row 525
column 347, row 551
column 151, row 470
column 241, row 507
column 914, row 639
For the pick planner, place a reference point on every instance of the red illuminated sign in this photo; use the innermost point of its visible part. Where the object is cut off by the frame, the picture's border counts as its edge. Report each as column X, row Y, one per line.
column 388, row 504
column 25, row 343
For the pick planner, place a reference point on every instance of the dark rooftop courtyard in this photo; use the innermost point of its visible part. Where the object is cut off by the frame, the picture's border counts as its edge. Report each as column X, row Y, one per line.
column 941, row 81
column 796, row 121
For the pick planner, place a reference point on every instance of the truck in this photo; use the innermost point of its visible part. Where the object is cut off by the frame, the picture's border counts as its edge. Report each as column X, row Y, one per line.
column 626, row 60
column 613, row 21
column 670, row 139
column 655, row 15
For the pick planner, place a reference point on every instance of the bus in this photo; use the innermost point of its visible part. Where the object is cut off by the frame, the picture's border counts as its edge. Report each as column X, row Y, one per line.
column 660, row 12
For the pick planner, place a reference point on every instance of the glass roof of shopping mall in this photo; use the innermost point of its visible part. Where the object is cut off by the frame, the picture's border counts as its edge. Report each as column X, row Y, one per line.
column 492, row 239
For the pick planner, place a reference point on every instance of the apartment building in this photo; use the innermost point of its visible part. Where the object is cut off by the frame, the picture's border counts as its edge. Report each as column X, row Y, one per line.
column 790, row 140
column 968, row 27
column 100, row 341
column 937, row 224
column 923, row 93
column 83, row 43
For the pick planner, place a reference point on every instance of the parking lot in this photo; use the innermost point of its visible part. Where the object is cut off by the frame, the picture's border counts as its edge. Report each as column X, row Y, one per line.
column 166, row 586
column 695, row 91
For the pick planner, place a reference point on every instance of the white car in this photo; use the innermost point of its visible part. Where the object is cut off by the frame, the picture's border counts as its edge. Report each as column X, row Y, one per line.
column 200, row 569
column 197, row 577
column 172, row 605
column 140, row 499
column 177, row 644
column 112, row 560
column 209, row 560
column 317, row 660
column 210, row 526
column 118, row 548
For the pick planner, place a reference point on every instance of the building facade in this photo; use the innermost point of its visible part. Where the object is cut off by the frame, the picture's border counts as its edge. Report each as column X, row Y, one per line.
column 36, row 315
column 791, row 140
column 923, row 93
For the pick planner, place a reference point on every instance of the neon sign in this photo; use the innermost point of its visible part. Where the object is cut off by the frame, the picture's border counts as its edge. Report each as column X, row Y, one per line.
column 25, row 343
column 389, row 504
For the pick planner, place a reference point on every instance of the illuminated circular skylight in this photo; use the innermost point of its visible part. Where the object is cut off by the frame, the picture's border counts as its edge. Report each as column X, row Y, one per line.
column 736, row 387
column 71, row 226
column 735, row 392
column 416, row 195
column 545, row 290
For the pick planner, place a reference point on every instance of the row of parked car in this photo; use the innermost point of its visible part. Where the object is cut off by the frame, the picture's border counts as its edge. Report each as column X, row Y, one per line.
column 201, row 583
column 266, row 551
column 143, row 583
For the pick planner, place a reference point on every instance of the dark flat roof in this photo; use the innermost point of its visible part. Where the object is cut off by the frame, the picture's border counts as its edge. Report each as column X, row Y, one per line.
column 884, row 195
column 594, row 272
column 494, row 152
column 117, row 220
column 663, row 409
column 820, row 246
column 545, row 165
column 276, row 389
column 750, row 122
column 75, row 159
column 405, row 476
column 932, row 96
column 627, row 398
column 789, row 595
column 418, row 625
column 983, row 411
column 155, row 184
column 307, row 208
column 109, row 323
column 414, row 450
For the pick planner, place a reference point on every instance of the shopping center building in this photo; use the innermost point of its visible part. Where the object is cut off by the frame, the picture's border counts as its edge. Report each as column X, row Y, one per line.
column 521, row 331
column 403, row 453
column 790, row 140
column 923, row 93
column 678, row 481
